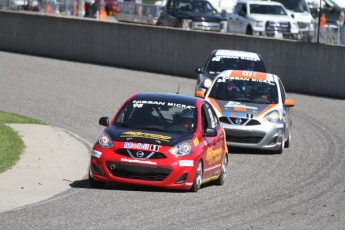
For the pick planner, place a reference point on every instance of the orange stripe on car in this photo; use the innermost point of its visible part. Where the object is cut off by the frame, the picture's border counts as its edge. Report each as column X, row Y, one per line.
column 248, row 74
column 215, row 105
column 266, row 109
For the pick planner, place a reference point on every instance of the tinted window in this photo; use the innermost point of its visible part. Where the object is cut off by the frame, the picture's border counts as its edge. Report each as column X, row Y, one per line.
column 267, row 9
column 294, row 5
column 246, row 90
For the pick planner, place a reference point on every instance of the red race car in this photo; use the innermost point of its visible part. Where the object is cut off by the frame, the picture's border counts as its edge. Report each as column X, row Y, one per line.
column 163, row 140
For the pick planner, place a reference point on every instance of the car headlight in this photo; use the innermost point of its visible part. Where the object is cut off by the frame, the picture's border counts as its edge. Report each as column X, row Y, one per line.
column 259, row 24
column 105, row 141
column 272, row 116
column 294, row 25
column 207, row 83
column 186, row 23
column 183, row 148
column 311, row 26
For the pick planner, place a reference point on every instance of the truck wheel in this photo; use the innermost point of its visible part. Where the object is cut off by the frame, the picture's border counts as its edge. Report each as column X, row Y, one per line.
column 249, row 31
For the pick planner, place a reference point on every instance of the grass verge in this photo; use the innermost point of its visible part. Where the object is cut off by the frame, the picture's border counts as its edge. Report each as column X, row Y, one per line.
column 11, row 145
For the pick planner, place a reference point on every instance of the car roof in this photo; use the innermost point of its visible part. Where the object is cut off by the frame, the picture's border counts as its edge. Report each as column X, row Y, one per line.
column 169, row 97
column 239, row 53
column 261, row 2
column 245, row 74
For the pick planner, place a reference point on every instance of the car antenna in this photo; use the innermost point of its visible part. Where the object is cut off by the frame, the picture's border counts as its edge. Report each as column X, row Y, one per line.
column 178, row 90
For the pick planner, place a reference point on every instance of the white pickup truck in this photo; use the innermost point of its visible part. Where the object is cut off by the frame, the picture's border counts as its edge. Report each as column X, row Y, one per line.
column 262, row 18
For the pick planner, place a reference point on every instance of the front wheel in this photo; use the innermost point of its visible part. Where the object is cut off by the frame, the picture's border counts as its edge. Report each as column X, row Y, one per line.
column 281, row 149
column 288, row 141
column 222, row 177
column 249, row 31
column 95, row 184
column 197, row 178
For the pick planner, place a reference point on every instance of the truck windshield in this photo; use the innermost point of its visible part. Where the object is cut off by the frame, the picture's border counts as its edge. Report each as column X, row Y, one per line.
column 298, row 6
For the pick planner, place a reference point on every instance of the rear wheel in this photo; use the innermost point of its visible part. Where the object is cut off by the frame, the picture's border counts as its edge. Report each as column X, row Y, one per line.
column 95, row 184
column 222, row 177
column 197, row 178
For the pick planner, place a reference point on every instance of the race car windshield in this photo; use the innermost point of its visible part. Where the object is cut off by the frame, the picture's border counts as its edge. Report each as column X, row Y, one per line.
column 157, row 116
column 220, row 63
column 262, row 92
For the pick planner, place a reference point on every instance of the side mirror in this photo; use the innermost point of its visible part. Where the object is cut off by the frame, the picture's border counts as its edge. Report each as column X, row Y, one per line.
column 210, row 132
column 292, row 15
column 224, row 13
column 104, row 121
column 198, row 70
column 200, row 94
column 289, row 102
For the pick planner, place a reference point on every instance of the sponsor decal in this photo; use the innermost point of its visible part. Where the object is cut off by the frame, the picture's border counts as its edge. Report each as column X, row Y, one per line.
column 140, row 103
column 238, row 115
column 243, row 109
column 188, row 184
column 213, row 156
column 138, row 161
column 131, row 145
column 146, row 135
column 213, row 167
column 187, row 163
column 196, row 141
column 279, row 126
column 95, row 153
column 236, row 127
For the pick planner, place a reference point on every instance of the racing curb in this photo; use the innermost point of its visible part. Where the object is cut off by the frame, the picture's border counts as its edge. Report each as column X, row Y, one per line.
column 52, row 159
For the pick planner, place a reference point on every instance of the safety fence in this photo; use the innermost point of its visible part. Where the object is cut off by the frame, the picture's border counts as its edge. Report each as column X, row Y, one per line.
column 329, row 34
column 138, row 12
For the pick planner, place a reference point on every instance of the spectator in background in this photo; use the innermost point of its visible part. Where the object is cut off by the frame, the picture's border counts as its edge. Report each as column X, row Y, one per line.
column 342, row 27
column 322, row 21
column 89, row 8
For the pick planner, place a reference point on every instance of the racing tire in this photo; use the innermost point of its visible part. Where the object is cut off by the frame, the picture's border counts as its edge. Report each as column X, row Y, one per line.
column 95, row 184
column 288, row 141
column 222, row 177
column 197, row 178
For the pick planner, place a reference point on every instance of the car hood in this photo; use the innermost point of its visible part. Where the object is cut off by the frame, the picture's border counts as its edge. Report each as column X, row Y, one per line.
column 277, row 18
column 201, row 17
column 146, row 136
column 241, row 109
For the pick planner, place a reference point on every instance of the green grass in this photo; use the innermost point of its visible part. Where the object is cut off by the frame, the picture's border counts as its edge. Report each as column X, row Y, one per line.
column 11, row 145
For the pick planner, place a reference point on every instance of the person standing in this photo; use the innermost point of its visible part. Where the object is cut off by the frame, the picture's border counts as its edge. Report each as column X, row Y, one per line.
column 342, row 27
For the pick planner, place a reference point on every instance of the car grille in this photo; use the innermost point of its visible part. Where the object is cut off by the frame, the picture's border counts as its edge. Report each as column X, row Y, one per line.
column 138, row 172
column 244, row 121
column 302, row 25
column 247, row 139
column 146, row 154
column 277, row 26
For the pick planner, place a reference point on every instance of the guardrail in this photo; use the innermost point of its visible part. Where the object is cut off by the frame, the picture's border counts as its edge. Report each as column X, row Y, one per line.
column 138, row 12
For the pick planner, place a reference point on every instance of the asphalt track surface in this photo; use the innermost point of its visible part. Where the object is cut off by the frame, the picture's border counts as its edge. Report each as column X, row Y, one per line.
column 304, row 188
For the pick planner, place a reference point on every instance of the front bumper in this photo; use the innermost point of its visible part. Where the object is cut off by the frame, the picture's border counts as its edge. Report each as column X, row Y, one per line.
column 267, row 136
column 172, row 172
